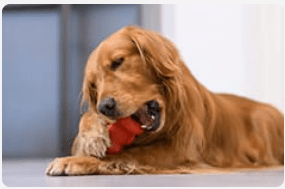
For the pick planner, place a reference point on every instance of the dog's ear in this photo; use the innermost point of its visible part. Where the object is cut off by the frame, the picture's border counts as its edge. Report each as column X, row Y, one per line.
column 158, row 52
column 89, row 94
column 161, row 56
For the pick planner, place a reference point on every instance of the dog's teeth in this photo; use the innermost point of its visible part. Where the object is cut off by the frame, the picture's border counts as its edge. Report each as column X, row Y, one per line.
column 152, row 117
column 143, row 126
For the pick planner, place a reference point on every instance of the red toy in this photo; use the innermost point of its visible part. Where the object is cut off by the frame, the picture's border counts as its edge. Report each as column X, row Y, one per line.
column 122, row 133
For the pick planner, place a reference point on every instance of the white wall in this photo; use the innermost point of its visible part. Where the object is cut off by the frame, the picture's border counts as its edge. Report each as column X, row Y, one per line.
column 263, row 51
column 231, row 48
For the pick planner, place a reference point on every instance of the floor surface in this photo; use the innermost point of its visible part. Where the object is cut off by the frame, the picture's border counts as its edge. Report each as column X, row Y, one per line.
column 30, row 172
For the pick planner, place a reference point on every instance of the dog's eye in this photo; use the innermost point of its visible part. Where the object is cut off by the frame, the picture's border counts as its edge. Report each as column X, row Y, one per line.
column 115, row 64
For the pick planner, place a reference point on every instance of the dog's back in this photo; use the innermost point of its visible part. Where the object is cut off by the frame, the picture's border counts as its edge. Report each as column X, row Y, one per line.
column 244, row 132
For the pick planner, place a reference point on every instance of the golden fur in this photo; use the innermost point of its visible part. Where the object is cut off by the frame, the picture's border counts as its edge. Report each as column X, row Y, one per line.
column 199, row 129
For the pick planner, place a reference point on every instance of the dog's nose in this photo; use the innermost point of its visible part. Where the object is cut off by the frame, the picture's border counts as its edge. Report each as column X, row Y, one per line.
column 108, row 107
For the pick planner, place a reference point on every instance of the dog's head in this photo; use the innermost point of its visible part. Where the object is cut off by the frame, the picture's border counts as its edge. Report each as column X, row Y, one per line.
column 133, row 73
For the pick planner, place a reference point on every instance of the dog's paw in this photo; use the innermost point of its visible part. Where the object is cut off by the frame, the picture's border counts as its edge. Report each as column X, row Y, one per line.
column 72, row 166
column 96, row 145
column 60, row 167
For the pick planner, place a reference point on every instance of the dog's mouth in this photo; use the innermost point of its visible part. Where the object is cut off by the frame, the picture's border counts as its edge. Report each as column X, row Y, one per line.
column 148, row 116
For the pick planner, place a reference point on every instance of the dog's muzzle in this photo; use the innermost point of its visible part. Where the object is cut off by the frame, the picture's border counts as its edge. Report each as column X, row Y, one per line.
column 148, row 116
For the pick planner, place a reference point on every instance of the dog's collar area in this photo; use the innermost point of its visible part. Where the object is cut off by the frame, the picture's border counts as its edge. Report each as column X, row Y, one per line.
column 148, row 116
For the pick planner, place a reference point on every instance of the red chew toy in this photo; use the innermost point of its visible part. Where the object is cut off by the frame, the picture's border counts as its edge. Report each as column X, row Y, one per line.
column 122, row 133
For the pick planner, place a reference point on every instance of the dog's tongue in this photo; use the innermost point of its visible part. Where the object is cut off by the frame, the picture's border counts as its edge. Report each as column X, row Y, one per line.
column 122, row 133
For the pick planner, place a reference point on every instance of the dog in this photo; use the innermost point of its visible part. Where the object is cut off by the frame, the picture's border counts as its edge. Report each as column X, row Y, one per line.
column 137, row 70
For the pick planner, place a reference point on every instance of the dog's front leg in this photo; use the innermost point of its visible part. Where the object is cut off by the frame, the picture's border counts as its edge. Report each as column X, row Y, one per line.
column 91, row 143
column 93, row 137
column 73, row 165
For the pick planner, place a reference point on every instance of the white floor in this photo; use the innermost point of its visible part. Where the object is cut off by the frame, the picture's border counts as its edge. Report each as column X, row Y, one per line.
column 30, row 172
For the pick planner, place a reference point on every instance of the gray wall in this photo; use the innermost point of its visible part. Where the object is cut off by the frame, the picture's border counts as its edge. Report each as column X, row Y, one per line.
column 35, row 48
column 30, row 78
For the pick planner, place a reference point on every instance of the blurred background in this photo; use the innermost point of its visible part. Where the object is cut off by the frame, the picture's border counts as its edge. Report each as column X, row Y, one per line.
column 229, row 48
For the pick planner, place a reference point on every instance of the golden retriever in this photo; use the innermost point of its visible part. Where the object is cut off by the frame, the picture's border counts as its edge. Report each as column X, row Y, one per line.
column 193, row 128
